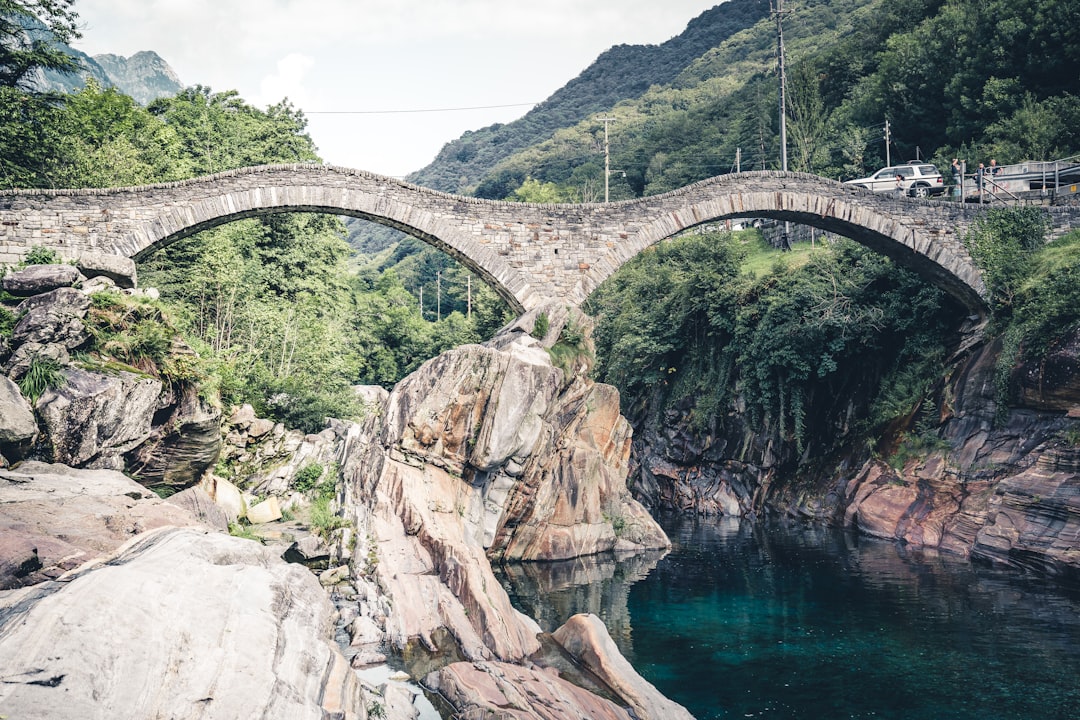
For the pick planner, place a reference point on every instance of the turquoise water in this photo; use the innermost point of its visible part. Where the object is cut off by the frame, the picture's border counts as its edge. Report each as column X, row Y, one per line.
column 773, row 621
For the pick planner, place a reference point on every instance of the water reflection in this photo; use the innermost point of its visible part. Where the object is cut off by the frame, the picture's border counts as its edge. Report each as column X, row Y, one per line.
column 783, row 620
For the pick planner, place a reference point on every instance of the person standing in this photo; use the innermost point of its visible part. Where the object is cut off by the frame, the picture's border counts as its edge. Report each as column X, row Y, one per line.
column 957, row 175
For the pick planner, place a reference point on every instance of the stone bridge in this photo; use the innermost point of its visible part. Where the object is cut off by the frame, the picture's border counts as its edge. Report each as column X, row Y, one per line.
column 530, row 253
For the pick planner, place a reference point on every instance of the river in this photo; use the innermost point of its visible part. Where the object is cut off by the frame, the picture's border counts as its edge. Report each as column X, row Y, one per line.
column 783, row 620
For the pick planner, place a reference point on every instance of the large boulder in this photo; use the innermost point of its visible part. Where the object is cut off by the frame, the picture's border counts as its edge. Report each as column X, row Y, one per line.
column 53, row 518
column 18, row 428
column 53, row 318
column 94, row 418
column 178, row 623
column 119, row 269
column 37, row 279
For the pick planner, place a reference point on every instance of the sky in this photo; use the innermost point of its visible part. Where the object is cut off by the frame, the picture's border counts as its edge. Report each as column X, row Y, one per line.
column 382, row 82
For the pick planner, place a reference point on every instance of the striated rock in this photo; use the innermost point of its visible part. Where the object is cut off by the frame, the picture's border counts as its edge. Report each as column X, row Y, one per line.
column 459, row 465
column 1033, row 517
column 119, row 269
column 93, row 418
column 17, row 424
column 38, row 279
column 227, row 631
column 53, row 518
column 501, row 691
column 585, row 637
column 181, row 447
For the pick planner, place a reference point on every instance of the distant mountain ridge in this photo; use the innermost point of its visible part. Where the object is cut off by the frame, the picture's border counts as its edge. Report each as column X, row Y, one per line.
column 622, row 72
column 145, row 76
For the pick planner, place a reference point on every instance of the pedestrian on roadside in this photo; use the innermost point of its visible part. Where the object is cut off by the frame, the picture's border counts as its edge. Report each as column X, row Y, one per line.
column 957, row 174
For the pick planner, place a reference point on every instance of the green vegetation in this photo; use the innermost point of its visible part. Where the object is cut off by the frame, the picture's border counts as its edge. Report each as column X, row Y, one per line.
column 308, row 477
column 682, row 325
column 954, row 79
column 43, row 374
column 40, row 256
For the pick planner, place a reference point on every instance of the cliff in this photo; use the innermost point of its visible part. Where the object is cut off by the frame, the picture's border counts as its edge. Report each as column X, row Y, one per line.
column 999, row 485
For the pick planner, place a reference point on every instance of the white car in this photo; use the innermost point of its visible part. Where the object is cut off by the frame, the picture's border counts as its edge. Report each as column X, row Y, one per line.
column 917, row 179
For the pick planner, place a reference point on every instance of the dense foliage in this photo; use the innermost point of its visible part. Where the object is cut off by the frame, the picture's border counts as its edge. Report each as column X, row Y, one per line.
column 683, row 324
column 622, row 72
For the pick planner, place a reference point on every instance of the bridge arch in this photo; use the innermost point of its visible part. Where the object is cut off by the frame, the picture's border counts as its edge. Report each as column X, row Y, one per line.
column 903, row 229
column 213, row 209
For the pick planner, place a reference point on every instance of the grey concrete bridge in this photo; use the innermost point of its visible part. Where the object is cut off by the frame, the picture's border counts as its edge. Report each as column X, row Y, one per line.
column 529, row 253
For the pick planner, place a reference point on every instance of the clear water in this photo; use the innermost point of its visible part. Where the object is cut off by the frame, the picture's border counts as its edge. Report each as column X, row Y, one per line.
column 766, row 621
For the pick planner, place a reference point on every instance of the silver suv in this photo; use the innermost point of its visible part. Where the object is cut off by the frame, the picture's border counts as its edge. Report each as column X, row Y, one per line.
column 917, row 179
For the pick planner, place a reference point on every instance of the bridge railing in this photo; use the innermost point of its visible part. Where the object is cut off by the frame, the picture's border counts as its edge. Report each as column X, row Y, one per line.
column 1031, row 182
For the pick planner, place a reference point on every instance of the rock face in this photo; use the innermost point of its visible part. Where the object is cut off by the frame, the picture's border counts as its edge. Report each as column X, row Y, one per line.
column 95, row 418
column 228, row 631
column 17, row 425
column 180, row 448
column 1005, row 491
column 487, row 450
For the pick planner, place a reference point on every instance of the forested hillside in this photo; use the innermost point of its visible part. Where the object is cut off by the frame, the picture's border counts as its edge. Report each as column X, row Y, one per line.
column 953, row 78
column 275, row 314
column 623, row 72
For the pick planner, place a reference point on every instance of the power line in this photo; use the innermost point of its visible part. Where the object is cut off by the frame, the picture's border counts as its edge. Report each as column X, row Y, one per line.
column 419, row 110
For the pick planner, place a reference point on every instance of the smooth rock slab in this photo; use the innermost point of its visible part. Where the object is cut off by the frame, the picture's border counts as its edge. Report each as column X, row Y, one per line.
column 585, row 637
column 178, row 624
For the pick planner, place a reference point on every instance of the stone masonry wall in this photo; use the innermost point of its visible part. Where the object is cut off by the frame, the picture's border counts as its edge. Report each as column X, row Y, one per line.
column 530, row 253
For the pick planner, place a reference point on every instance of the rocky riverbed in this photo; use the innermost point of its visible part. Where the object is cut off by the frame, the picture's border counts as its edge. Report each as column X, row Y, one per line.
column 119, row 602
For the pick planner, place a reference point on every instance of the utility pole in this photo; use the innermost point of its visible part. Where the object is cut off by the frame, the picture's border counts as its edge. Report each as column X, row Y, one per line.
column 438, row 296
column 779, row 13
column 607, row 159
column 888, row 161
column 738, row 160
column 468, row 295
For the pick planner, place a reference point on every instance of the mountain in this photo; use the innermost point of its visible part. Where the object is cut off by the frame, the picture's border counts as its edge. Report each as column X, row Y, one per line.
column 622, row 72
column 145, row 76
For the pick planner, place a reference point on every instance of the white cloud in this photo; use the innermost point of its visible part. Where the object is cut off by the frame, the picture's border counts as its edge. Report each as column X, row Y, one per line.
column 288, row 82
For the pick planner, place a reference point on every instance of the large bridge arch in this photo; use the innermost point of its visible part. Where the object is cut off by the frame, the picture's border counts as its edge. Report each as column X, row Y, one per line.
column 213, row 209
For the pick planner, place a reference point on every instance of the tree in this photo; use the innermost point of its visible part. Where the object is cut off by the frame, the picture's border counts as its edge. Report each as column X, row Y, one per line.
column 31, row 32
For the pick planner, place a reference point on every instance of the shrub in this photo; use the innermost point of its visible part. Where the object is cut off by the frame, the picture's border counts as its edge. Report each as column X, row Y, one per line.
column 308, row 477
column 540, row 326
column 40, row 256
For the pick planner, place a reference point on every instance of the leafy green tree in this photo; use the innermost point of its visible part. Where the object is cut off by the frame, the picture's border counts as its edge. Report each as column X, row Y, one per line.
column 30, row 34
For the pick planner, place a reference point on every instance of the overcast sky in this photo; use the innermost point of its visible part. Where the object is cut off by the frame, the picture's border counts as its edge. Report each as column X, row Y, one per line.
column 383, row 55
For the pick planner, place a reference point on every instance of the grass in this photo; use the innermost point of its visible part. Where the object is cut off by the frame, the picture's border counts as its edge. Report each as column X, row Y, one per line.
column 761, row 257
column 42, row 374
